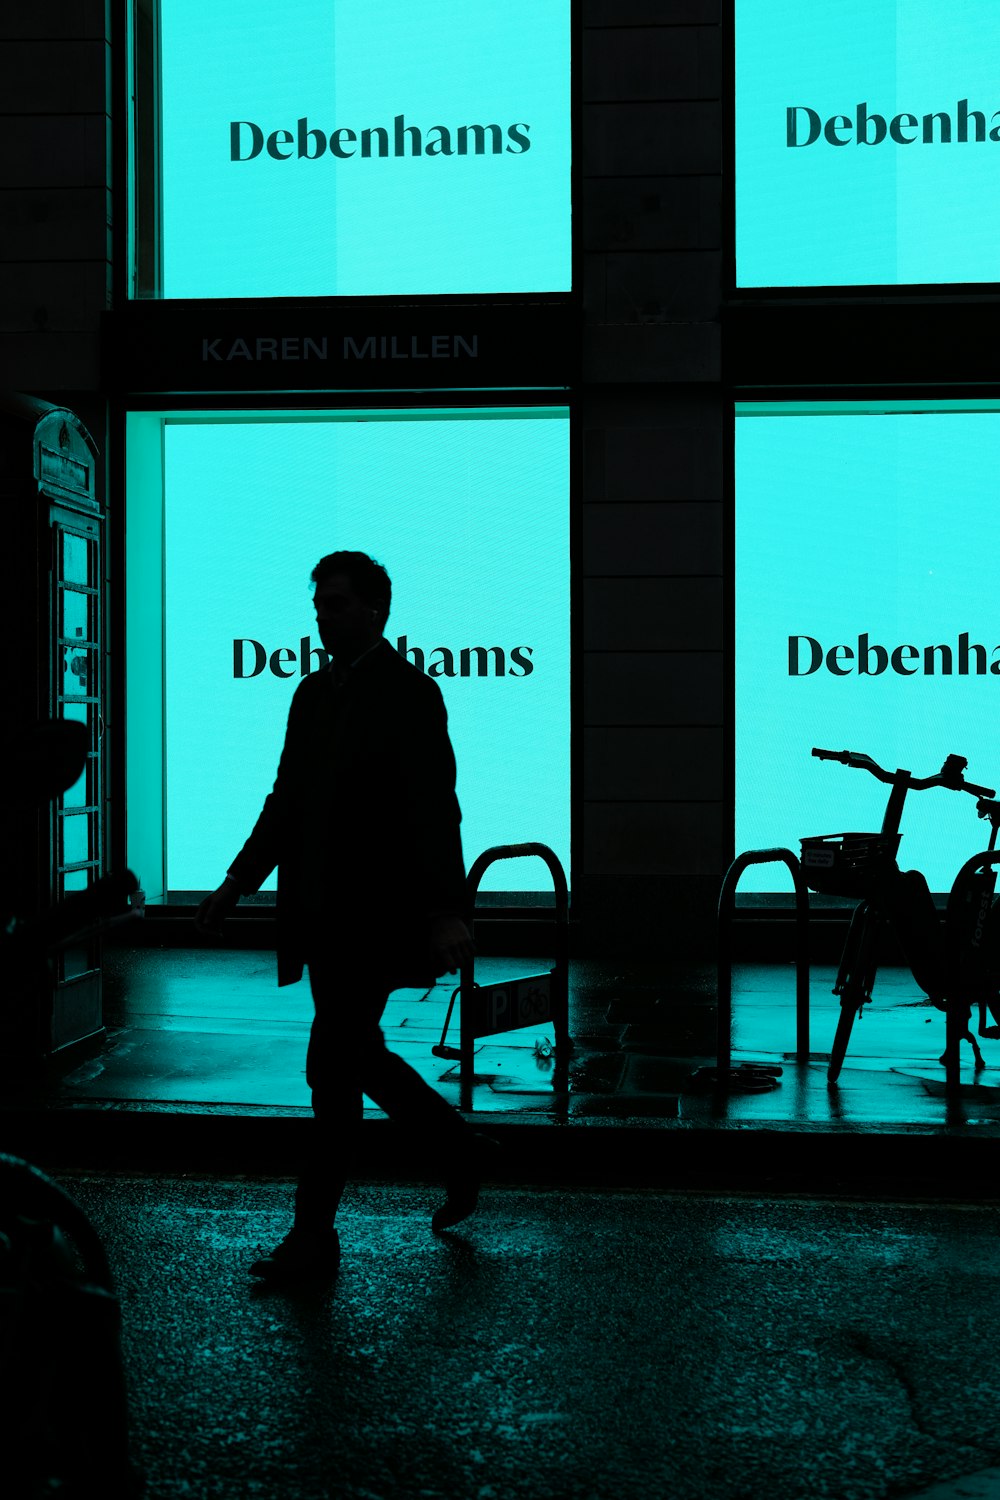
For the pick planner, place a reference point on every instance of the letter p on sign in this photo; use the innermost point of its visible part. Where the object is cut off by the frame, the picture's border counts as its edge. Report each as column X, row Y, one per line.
column 500, row 1008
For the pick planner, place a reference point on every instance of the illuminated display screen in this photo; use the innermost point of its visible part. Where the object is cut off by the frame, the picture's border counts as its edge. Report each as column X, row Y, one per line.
column 867, row 142
column 865, row 620
column 468, row 513
column 339, row 147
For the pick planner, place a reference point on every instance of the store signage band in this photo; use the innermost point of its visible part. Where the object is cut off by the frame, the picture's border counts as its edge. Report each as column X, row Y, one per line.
column 368, row 346
column 191, row 346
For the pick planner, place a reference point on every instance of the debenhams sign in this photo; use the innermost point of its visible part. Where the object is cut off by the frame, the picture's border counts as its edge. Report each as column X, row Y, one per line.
column 248, row 140
column 805, row 126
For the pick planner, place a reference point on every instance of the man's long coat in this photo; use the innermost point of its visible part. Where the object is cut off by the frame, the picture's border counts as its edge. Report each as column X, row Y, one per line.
column 362, row 822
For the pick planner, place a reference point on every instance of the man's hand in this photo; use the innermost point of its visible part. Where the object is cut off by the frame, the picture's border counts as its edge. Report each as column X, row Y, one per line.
column 214, row 910
column 451, row 942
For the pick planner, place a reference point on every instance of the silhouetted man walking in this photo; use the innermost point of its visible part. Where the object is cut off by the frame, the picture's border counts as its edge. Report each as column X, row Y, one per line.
column 363, row 826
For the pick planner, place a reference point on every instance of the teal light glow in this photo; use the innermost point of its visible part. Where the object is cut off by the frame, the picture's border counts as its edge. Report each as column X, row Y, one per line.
column 878, row 523
column 844, row 211
column 318, row 209
column 468, row 512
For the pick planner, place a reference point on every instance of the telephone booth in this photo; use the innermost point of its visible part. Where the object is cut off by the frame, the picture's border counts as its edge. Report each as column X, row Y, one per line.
column 51, row 612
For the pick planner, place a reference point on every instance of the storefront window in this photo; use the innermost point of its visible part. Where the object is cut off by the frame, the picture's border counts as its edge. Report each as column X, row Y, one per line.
column 867, row 142
column 865, row 546
column 228, row 514
column 341, row 148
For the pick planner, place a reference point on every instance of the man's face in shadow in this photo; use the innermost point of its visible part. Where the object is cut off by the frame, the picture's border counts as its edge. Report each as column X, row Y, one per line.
column 347, row 626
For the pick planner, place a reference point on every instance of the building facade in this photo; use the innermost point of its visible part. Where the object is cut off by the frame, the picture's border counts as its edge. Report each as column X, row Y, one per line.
column 650, row 349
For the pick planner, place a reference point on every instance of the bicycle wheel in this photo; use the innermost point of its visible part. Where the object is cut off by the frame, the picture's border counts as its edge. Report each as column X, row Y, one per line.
column 855, row 979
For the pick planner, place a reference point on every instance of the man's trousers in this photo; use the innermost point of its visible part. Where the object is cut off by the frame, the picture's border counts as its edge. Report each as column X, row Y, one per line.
column 347, row 1059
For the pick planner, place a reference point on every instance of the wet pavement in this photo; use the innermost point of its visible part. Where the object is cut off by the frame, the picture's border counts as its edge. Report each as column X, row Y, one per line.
column 566, row 1345
column 203, row 1067
column 655, row 1298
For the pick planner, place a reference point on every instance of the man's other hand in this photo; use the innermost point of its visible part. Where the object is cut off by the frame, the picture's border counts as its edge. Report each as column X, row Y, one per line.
column 214, row 910
column 451, row 942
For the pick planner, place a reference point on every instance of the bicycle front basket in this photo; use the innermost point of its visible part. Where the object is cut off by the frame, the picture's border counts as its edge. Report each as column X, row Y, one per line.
column 846, row 864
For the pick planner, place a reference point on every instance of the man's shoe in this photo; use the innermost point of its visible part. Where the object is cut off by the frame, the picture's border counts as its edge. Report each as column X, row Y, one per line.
column 301, row 1256
column 462, row 1184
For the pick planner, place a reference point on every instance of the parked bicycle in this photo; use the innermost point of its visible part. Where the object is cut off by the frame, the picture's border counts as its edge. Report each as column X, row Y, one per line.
column 950, row 960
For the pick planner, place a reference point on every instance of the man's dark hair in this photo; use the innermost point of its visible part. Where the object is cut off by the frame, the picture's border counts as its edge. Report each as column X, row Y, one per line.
column 368, row 579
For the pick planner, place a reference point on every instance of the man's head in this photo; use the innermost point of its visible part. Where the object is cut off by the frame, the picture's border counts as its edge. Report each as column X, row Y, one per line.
column 352, row 598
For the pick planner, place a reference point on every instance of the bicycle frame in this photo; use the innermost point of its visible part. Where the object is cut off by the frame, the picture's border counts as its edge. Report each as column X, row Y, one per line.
column 859, row 961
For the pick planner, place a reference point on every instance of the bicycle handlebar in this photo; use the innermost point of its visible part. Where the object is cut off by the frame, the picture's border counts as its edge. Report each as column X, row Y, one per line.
column 949, row 776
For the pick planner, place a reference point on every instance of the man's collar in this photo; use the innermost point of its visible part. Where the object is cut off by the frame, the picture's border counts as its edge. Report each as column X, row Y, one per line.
column 368, row 652
column 340, row 676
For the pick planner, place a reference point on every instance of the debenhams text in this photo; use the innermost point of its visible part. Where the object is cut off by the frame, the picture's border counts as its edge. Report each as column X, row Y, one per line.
column 868, row 128
column 251, row 658
column 247, row 141
column 869, row 658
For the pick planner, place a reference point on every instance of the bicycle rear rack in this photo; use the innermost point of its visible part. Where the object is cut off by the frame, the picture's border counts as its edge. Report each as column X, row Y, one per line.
column 757, row 1077
column 510, row 1004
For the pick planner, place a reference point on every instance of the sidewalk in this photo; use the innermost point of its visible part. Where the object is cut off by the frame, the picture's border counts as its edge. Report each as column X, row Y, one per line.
column 203, row 1069
column 570, row 1345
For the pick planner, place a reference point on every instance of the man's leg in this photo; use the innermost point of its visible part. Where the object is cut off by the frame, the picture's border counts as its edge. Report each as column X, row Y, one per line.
column 347, row 1059
column 347, row 1009
column 461, row 1154
column 312, row 1246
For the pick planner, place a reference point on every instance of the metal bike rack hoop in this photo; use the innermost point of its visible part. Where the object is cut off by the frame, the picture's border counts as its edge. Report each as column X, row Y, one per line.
column 559, row 976
column 725, row 1075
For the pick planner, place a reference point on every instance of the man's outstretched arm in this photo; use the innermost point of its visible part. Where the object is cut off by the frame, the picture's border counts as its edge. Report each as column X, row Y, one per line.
column 260, row 853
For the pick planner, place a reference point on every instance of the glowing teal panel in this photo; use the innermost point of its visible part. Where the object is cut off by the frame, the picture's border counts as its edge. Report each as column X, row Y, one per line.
column 339, row 147
column 876, row 534
column 843, row 174
column 470, row 517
